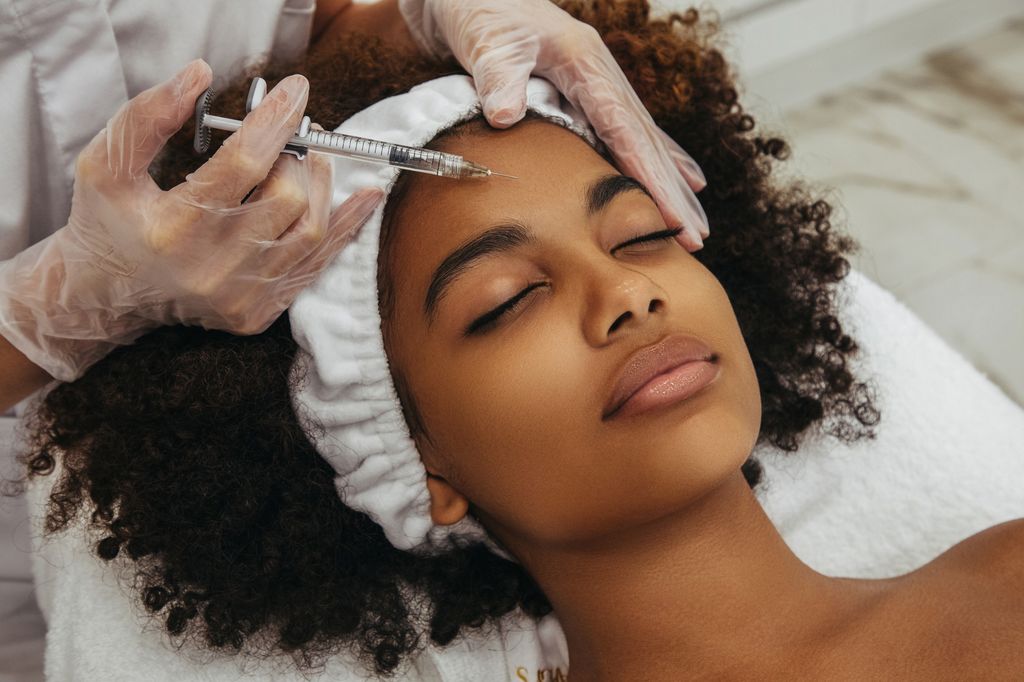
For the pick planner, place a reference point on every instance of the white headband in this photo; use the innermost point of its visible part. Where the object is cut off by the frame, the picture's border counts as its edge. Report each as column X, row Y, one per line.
column 336, row 322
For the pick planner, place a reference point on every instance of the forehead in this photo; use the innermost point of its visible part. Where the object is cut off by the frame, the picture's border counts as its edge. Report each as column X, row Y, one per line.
column 546, row 159
column 553, row 166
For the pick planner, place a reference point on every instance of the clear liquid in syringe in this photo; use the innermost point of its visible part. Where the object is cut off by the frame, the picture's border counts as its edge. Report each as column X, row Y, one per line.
column 423, row 160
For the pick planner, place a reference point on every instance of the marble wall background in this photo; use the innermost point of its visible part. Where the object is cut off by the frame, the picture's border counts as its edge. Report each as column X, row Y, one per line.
column 927, row 162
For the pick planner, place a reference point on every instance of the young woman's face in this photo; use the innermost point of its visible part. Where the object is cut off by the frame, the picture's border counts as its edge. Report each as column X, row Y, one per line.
column 515, row 408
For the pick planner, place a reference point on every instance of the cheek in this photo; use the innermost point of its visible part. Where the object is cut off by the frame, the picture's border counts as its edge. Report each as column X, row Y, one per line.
column 519, row 426
column 745, row 391
column 699, row 304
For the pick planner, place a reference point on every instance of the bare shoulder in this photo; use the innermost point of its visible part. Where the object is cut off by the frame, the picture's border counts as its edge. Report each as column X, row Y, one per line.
column 996, row 554
column 964, row 610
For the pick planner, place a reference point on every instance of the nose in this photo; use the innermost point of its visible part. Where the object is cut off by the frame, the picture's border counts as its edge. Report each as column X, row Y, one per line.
column 620, row 299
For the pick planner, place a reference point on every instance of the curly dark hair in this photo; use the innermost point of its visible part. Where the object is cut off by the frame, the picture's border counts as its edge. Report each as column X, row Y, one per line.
column 184, row 450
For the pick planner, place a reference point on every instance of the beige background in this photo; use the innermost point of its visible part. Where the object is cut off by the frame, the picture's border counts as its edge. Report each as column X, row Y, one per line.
column 927, row 162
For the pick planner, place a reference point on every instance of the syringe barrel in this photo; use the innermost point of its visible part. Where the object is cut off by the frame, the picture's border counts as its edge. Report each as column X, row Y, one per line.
column 411, row 158
column 351, row 146
column 426, row 161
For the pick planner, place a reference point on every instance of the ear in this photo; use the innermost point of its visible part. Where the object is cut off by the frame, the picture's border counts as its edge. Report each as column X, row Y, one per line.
column 447, row 505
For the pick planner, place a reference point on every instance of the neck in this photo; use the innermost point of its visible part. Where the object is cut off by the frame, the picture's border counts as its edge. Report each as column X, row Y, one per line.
column 713, row 590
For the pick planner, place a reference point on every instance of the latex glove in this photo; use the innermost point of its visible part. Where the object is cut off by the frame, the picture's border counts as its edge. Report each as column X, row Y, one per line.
column 501, row 43
column 133, row 257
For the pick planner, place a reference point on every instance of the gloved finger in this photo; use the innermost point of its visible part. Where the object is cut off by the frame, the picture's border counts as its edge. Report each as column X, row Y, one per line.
column 689, row 241
column 676, row 201
column 246, row 156
column 284, row 197
column 500, row 78
column 319, row 176
column 599, row 88
column 305, row 250
column 657, row 170
column 638, row 153
column 143, row 124
column 685, row 163
column 694, row 220
column 345, row 226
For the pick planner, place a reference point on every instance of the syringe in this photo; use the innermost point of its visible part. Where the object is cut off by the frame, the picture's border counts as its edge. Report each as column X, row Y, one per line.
column 347, row 146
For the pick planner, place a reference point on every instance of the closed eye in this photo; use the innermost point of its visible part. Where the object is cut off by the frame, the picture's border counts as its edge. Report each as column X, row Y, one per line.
column 489, row 320
column 660, row 235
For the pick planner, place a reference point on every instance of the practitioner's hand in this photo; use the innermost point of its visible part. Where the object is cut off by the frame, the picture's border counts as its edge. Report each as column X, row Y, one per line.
column 501, row 43
column 133, row 257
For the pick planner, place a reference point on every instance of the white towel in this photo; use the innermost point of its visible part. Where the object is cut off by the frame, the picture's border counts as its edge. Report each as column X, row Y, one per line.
column 948, row 462
column 22, row 628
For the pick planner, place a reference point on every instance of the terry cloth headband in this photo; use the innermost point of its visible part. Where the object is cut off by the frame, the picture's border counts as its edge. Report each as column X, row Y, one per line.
column 348, row 388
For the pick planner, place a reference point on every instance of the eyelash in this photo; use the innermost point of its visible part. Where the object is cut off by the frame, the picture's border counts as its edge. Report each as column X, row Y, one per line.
column 489, row 320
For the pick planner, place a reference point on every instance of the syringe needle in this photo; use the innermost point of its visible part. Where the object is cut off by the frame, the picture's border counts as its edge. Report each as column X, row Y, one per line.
column 503, row 175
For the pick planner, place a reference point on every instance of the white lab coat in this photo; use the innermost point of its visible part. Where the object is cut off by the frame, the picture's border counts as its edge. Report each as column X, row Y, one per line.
column 66, row 66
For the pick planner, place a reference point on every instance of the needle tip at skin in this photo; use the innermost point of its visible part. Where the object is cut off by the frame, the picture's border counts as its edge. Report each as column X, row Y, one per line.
column 475, row 170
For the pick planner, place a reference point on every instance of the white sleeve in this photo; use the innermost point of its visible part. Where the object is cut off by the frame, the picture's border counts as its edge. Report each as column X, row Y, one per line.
column 60, row 75
column 156, row 39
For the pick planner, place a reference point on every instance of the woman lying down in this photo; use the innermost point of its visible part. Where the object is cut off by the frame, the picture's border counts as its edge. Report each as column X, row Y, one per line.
column 446, row 428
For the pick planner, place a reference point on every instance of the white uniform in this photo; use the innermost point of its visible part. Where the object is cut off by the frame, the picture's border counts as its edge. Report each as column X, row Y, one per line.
column 66, row 66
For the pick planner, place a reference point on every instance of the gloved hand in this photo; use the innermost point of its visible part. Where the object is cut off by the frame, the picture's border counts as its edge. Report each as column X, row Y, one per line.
column 133, row 257
column 501, row 43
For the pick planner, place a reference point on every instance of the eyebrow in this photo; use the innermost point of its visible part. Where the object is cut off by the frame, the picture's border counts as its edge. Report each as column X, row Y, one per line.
column 509, row 236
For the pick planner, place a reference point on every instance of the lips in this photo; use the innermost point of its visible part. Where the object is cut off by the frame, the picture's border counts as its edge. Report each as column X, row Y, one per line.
column 652, row 361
